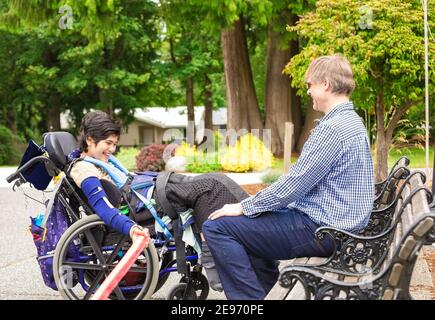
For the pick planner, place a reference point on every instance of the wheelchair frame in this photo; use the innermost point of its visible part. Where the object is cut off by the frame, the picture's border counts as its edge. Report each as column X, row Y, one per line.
column 193, row 284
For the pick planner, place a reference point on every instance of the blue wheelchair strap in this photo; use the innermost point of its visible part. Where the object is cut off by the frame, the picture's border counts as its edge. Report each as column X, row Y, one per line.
column 118, row 175
column 153, row 211
column 117, row 164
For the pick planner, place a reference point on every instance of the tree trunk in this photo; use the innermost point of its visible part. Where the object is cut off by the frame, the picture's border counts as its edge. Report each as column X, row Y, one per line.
column 281, row 98
column 309, row 125
column 106, row 100
column 243, row 111
column 190, row 112
column 208, row 104
column 53, row 113
column 296, row 103
column 278, row 98
column 189, row 100
column 382, row 141
column 11, row 120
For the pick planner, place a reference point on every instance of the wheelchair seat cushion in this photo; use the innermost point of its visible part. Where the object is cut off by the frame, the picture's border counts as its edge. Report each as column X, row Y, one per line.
column 59, row 145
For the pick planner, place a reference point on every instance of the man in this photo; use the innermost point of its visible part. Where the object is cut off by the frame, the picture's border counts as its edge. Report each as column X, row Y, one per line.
column 330, row 184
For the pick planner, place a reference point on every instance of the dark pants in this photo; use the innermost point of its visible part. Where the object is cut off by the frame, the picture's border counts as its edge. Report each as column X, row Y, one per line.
column 246, row 249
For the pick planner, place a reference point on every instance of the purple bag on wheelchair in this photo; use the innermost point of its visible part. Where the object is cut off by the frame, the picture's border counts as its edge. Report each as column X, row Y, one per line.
column 46, row 239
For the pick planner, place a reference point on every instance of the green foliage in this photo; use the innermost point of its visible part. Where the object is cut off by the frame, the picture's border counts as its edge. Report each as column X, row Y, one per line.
column 416, row 156
column 127, row 156
column 409, row 133
column 203, row 167
column 271, row 176
column 386, row 50
column 8, row 154
column 110, row 67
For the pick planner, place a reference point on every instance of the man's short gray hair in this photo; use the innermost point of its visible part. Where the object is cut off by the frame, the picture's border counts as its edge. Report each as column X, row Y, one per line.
column 336, row 69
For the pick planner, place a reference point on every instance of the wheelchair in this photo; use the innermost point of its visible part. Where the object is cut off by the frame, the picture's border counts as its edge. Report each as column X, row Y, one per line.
column 98, row 248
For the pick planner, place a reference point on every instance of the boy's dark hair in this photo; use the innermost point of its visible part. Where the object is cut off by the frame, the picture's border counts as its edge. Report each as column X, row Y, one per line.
column 99, row 126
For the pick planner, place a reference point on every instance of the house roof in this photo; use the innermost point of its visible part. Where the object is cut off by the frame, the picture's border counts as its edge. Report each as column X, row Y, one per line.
column 176, row 117
column 173, row 117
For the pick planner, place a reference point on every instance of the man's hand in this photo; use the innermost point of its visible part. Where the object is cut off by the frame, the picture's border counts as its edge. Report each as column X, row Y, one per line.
column 136, row 231
column 234, row 209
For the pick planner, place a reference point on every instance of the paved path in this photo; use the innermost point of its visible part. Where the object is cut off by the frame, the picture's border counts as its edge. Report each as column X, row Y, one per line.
column 20, row 276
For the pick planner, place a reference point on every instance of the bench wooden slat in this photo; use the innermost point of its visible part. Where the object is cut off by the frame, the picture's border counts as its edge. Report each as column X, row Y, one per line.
column 419, row 202
column 388, row 294
column 407, row 248
column 423, row 227
column 395, row 243
column 396, row 272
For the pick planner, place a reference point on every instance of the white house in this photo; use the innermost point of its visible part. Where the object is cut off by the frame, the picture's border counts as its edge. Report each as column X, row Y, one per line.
column 158, row 124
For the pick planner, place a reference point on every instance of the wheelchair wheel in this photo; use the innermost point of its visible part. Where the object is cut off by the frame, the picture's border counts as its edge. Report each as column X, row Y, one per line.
column 178, row 292
column 166, row 259
column 200, row 284
column 86, row 252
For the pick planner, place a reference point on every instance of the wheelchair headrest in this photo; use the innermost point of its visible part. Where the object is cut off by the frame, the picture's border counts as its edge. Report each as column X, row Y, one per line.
column 59, row 145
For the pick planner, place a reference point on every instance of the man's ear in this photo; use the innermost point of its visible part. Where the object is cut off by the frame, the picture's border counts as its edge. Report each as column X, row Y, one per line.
column 327, row 85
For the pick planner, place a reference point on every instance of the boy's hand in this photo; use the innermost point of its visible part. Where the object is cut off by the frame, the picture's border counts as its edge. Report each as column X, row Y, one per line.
column 137, row 230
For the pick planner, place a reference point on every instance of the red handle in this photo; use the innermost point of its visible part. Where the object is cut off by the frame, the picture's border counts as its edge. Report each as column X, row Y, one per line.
column 121, row 269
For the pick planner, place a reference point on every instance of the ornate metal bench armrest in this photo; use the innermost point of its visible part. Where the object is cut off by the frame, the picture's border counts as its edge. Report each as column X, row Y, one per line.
column 380, row 185
column 355, row 254
column 318, row 286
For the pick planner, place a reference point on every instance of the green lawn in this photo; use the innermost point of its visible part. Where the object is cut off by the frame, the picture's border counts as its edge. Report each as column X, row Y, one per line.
column 416, row 156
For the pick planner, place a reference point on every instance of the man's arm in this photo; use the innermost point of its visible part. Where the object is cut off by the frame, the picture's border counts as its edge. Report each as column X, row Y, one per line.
column 318, row 157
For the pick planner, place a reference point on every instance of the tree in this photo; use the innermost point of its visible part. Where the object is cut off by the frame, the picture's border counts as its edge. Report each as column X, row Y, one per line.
column 228, row 20
column 103, row 61
column 282, row 104
column 383, row 40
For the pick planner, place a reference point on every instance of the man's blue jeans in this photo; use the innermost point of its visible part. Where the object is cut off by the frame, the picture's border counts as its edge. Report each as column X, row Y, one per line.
column 246, row 249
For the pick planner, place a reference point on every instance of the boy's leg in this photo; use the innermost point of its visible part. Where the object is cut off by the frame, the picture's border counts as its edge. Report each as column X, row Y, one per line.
column 245, row 249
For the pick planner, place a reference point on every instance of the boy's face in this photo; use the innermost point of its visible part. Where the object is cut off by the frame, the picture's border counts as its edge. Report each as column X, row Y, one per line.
column 103, row 149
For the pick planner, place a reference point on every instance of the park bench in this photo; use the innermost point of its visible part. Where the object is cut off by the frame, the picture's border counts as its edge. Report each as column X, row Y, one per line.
column 361, row 267
column 380, row 186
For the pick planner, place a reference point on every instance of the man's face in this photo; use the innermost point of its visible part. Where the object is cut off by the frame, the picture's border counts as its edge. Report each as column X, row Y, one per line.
column 317, row 91
column 103, row 149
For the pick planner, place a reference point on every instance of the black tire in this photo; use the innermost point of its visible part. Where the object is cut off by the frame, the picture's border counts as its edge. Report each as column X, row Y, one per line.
column 167, row 258
column 200, row 285
column 91, row 268
column 178, row 293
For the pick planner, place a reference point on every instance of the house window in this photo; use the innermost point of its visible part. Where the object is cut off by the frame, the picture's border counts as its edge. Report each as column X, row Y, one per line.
column 146, row 135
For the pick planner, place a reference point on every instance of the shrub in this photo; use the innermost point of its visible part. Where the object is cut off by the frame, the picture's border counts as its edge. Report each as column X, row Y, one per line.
column 199, row 167
column 127, row 156
column 249, row 153
column 8, row 153
column 150, row 158
column 197, row 160
column 271, row 176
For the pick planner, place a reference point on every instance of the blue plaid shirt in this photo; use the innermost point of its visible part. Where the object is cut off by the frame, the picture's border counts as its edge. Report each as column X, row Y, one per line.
column 332, row 181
